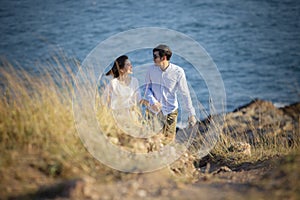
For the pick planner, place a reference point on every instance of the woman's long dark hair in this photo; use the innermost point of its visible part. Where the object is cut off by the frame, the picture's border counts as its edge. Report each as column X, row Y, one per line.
column 118, row 64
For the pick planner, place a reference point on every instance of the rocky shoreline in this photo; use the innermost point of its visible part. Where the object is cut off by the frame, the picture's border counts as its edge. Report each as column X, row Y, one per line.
column 257, row 119
column 261, row 118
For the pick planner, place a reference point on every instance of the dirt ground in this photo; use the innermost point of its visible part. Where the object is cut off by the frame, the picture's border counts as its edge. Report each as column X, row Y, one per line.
column 269, row 179
column 249, row 181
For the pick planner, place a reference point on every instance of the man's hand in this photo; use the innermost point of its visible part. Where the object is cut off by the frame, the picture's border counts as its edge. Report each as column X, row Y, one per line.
column 192, row 120
column 156, row 107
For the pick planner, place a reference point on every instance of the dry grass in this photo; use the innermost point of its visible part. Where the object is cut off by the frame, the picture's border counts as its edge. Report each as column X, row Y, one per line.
column 37, row 131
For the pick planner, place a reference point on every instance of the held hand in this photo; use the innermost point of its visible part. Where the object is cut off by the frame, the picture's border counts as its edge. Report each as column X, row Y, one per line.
column 156, row 107
column 192, row 121
column 144, row 102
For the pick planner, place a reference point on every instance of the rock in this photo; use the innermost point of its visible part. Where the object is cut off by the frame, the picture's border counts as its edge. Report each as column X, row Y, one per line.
column 241, row 148
column 184, row 166
column 69, row 189
column 260, row 119
column 114, row 140
column 142, row 193
column 222, row 169
column 292, row 110
column 81, row 188
column 255, row 105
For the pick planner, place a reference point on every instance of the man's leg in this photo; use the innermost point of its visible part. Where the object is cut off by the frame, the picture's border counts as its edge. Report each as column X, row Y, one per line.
column 169, row 129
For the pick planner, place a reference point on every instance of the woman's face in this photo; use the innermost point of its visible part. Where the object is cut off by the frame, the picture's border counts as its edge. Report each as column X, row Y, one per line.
column 127, row 67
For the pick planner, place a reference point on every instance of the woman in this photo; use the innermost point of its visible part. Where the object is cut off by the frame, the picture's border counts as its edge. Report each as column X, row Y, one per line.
column 122, row 94
column 122, row 90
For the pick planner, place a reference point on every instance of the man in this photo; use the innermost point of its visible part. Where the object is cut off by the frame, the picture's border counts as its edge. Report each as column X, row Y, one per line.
column 164, row 79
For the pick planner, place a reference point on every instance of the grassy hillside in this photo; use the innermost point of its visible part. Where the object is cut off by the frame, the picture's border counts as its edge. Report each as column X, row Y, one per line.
column 39, row 144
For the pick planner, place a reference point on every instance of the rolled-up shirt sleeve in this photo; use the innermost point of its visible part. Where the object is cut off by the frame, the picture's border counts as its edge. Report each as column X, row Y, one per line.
column 184, row 90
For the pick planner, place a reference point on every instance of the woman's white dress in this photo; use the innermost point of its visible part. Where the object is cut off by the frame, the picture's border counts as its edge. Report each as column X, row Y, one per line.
column 122, row 99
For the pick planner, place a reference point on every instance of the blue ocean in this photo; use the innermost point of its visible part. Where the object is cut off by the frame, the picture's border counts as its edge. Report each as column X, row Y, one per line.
column 254, row 44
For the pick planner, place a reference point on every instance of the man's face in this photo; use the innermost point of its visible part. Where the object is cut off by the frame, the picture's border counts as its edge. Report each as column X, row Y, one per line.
column 156, row 58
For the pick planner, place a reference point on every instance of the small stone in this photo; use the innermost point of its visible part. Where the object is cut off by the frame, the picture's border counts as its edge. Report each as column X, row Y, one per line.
column 241, row 147
column 142, row 193
column 222, row 169
column 114, row 140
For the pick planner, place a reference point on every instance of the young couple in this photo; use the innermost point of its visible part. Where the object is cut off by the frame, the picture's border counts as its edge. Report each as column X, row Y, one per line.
column 163, row 81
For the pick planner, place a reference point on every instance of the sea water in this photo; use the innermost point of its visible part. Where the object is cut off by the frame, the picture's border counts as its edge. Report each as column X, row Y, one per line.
column 254, row 44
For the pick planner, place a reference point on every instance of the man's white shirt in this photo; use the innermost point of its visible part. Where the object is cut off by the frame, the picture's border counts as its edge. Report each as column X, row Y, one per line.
column 162, row 86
